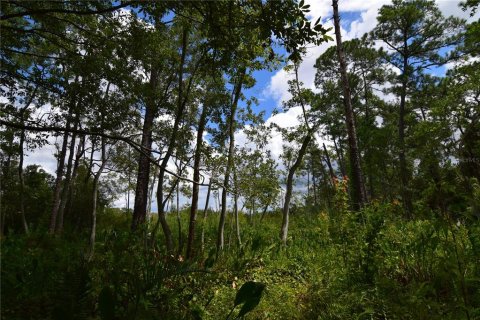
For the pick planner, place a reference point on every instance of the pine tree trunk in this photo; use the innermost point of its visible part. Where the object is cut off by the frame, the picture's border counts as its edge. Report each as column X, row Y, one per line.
column 404, row 176
column 359, row 198
column 143, row 176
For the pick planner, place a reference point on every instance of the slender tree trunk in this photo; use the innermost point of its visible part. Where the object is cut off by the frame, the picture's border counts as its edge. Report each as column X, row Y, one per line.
column 58, row 180
column 407, row 201
column 329, row 164
column 341, row 160
column 264, row 212
column 150, row 195
column 231, row 128
column 179, row 220
column 143, row 176
column 205, row 212
column 235, row 210
column 359, row 198
column 182, row 102
column 22, row 183
column 314, row 184
column 67, row 181
column 289, row 187
column 20, row 163
column 80, row 153
column 94, row 201
column 196, row 179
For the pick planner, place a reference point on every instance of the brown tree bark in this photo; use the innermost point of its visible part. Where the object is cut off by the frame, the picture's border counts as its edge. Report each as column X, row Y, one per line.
column 143, row 175
column 358, row 189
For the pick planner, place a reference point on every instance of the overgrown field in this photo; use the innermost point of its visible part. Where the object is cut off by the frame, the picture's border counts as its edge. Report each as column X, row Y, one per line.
column 366, row 265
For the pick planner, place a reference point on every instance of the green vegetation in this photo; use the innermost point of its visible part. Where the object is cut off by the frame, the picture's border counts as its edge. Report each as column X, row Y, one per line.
column 343, row 265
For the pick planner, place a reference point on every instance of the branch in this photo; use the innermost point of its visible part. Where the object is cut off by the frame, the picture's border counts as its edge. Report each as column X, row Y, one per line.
column 135, row 145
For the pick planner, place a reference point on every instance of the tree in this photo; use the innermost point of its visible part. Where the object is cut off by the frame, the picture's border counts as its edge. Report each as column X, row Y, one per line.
column 359, row 196
column 415, row 31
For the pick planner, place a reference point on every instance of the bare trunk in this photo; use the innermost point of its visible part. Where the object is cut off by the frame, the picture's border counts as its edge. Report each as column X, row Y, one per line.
column 341, row 160
column 80, row 152
column 289, row 187
column 58, row 180
column 67, row 182
column 329, row 164
column 22, row 183
column 150, row 196
column 235, row 210
column 182, row 102
column 205, row 210
column 195, row 186
column 179, row 221
column 94, row 202
column 407, row 201
column 143, row 176
column 358, row 194
column 231, row 126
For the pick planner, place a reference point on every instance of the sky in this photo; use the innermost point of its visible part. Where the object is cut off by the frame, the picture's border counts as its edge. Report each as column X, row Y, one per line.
column 357, row 18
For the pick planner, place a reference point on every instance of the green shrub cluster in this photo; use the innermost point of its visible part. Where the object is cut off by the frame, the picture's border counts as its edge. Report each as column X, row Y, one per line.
column 367, row 265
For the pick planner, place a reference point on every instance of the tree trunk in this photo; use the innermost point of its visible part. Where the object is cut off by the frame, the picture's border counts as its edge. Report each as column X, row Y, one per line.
column 235, row 210
column 289, row 186
column 94, row 201
column 341, row 160
column 359, row 198
column 150, row 196
column 205, row 213
column 179, row 220
column 182, row 102
column 231, row 128
column 22, row 182
column 68, row 180
column 196, row 179
column 329, row 164
column 58, row 180
column 80, row 152
column 143, row 176
column 407, row 201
